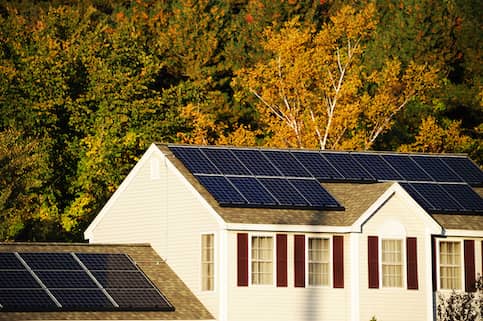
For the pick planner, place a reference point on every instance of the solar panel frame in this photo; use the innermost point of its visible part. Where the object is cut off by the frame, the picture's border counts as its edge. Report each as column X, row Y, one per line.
column 436, row 168
column 256, row 162
column 226, row 162
column 465, row 168
column 407, row 168
column 195, row 160
column 348, row 167
column 222, row 190
column 317, row 165
column 286, row 163
column 377, row 167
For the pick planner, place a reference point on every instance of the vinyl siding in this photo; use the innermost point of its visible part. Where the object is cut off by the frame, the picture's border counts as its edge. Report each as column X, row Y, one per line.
column 166, row 213
column 269, row 302
column 396, row 219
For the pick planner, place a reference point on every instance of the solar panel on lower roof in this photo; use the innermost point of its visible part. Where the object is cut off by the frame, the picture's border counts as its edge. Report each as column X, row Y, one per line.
column 465, row 169
column 437, row 197
column 221, row 189
column 225, row 161
column 82, row 299
column 97, row 261
column 317, row 165
column 315, row 194
column 286, row 163
column 50, row 261
column 253, row 191
column 436, row 168
column 284, row 192
column 26, row 300
column 256, row 163
column 9, row 261
column 135, row 299
column 65, row 279
column 377, row 166
column 466, row 196
column 407, row 168
column 17, row 279
column 348, row 167
column 194, row 160
column 121, row 279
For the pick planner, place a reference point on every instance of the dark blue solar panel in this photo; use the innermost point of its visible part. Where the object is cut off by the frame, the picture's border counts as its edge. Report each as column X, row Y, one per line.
column 433, row 198
column 425, row 204
column 121, row 279
column 348, row 167
column 256, row 163
column 65, row 279
column 286, row 163
column 377, row 166
column 101, row 261
column 409, row 170
column 253, row 191
column 25, row 300
column 17, row 279
column 194, row 160
column 221, row 189
column 466, row 196
column 50, row 261
column 8, row 261
column 315, row 194
column 317, row 165
column 225, row 161
column 283, row 191
column 146, row 299
column 436, row 168
column 465, row 169
column 82, row 299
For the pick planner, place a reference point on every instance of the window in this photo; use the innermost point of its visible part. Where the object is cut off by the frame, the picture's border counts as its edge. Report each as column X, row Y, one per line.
column 207, row 262
column 392, row 263
column 262, row 260
column 450, row 265
column 318, row 261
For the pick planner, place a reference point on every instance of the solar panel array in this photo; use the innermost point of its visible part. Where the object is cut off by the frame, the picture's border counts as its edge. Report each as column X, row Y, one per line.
column 290, row 178
column 75, row 282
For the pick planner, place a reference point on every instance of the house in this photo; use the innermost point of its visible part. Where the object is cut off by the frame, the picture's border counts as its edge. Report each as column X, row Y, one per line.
column 272, row 234
column 131, row 274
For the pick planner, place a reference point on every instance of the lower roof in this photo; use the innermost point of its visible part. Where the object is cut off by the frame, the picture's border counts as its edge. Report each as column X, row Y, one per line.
column 187, row 306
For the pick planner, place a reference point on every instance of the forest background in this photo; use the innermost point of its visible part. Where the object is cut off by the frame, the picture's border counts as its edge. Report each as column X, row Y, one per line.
column 87, row 86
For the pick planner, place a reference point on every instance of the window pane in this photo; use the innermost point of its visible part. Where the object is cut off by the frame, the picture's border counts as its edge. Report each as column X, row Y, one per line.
column 318, row 261
column 262, row 260
column 450, row 265
column 392, row 263
column 207, row 262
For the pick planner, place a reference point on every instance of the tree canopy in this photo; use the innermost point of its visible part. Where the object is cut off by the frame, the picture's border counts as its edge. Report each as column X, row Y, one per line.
column 86, row 86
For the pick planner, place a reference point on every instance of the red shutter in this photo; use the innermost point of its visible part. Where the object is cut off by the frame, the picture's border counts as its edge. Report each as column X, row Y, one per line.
column 299, row 260
column 412, row 263
column 373, row 261
column 281, row 260
column 338, row 261
column 470, row 277
column 433, row 263
column 242, row 259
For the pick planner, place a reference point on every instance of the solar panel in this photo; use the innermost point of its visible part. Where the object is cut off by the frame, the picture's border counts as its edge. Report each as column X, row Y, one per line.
column 194, row 159
column 121, row 279
column 134, row 299
column 466, row 196
column 99, row 261
column 82, row 299
column 283, row 191
column 65, row 279
column 50, row 261
column 465, row 169
column 317, row 165
column 256, row 163
column 26, row 300
column 436, row 168
column 315, row 194
column 286, row 163
column 17, row 279
column 409, row 170
column 348, row 167
column 221, row 189
column 377, row 166
column 253, row 191
column 439, row 199
column 225, row 161
column 8, row 261
column 425, row 204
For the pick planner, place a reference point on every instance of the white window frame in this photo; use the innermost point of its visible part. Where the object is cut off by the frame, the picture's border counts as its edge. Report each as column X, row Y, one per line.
column 403, row 262
column 331, row 259
column 215, row 268
column 274, row 258
column 438, row 264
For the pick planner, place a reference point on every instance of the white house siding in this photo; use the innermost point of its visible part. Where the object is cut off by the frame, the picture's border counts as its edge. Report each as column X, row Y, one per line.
column 286, row 303
column 395, row 303
column 166, row 213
